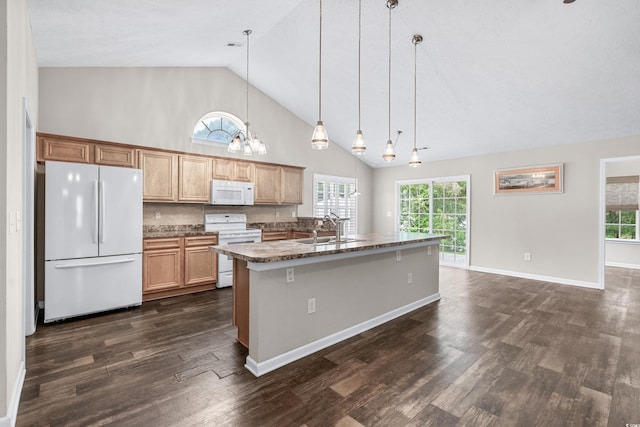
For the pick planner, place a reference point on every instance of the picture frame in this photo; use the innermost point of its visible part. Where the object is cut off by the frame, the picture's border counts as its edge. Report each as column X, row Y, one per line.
column 529, row 180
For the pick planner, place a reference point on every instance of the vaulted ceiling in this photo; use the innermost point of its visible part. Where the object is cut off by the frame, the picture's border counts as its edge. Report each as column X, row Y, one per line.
column 493, row 75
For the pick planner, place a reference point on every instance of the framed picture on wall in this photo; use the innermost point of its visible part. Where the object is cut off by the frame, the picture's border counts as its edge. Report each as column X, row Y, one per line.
column 535, row 179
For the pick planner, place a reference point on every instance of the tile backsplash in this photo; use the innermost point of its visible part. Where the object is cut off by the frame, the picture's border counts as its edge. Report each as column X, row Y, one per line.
column 155, row 214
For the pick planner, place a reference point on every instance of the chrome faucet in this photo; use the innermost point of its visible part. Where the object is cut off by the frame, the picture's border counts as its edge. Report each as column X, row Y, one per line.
column 339, row 223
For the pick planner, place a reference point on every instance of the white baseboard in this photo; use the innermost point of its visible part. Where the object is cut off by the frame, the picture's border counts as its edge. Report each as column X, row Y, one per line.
column 622, row 265
column 9, row 420
column 559, row 280
column 269, row 365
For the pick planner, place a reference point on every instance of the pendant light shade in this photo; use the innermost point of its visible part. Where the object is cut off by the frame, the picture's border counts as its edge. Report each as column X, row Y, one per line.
column 415, row 160
column 359, row 147
column 389, row 153
column 320, row 138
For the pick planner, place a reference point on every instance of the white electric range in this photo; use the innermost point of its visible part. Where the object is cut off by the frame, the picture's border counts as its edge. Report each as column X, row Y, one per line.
column 232, row 230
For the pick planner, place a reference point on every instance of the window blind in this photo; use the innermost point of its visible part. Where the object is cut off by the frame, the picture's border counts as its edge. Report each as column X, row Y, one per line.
column 622, row 193
column 333, row 194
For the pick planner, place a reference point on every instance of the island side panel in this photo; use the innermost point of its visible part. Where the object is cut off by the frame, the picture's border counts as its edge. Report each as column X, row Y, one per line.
column 347, row 292
column 241, row 300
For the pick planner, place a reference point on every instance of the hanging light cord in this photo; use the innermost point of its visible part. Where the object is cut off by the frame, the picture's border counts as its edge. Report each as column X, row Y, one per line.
column 415, row 89
column 389, row 131
column 320, row 69
column 359, row 43
column 247, row 32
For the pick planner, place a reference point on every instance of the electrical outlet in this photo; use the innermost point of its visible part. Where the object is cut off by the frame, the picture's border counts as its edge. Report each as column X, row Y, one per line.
column 157, row 215
column 290, row 277
column 311, row 305
column 398, row 256
column 277, row 214
column 527, row 256
column 410, row 278
column 428, row 250
column 293, row 214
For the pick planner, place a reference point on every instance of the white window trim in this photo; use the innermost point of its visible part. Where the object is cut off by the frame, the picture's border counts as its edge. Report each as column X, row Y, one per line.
column 353, row 222
column 430, row 181
column 235, row 119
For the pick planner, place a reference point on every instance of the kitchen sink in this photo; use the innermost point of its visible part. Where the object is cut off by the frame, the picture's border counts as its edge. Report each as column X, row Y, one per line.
column 326, row 241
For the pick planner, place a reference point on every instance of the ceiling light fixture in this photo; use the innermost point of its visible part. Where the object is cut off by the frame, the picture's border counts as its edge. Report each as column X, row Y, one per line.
column 415, row 160
column 389, row 154
column 358, row 147
column 320, row 138
column 250, row 144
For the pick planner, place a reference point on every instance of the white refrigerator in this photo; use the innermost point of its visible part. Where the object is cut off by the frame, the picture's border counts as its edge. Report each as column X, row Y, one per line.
column 93, row 239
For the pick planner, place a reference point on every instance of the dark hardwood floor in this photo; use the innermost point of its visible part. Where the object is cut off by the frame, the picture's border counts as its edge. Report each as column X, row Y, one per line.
column 494, row 351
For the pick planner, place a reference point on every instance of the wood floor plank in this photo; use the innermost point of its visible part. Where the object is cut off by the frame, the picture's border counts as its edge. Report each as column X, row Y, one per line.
column 495, row 350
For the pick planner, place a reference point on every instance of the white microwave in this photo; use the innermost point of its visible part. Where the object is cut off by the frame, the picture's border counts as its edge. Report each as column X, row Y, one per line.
column 231, row 193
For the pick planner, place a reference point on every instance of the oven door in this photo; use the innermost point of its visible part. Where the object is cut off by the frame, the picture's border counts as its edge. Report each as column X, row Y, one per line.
column 225, row 262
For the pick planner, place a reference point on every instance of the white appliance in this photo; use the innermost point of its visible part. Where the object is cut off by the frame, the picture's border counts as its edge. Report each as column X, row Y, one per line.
column 232, row 230
column 93, row 239
column 231, row 193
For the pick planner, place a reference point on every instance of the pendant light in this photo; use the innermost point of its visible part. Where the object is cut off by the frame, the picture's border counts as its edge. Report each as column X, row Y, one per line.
column 415, row 160
column 320, row 138
column 389, row 154
column 251, row 144
column 358, row 147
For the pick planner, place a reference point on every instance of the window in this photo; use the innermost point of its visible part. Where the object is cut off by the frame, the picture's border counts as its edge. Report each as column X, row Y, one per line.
column 622, row 225
column 334, row 194
column 217, row 128
column 438, row 206
column 623, row 216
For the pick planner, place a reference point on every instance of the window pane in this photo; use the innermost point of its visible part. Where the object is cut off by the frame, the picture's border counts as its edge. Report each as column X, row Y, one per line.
column 612, row 231
column 628, row 232
column 628, row 217
column 612, row 217
column 461, row 205
column 438, row 205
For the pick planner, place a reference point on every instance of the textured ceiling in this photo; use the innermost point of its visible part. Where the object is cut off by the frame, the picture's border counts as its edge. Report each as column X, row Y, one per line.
column 493, row 75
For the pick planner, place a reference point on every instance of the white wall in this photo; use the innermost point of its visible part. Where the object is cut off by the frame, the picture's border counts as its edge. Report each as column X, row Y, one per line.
column 20, row 74
column 159, row 107
column 559, row 230
column 620, row 253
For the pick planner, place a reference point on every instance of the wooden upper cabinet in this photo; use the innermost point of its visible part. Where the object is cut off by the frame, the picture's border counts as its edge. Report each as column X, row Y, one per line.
column 222, row 169
column 292, row 180
column 267, row 184
column 113, row 155
column 62, row 150
column 194, row 176
column 160, row 175
column 243, row 171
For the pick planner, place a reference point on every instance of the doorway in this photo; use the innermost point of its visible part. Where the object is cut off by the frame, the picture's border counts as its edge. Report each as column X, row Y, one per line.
column 28, row 220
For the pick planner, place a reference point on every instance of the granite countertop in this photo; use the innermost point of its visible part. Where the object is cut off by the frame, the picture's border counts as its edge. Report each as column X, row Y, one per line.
column 164, row 231
column 284, row 250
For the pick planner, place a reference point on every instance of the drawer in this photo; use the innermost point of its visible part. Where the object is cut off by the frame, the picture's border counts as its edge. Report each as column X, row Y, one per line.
column 161, row 243
column 200, row 241
column 268, row 236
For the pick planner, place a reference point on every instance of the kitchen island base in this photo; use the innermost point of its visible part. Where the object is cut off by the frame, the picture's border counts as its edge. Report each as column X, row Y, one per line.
column 286, row 316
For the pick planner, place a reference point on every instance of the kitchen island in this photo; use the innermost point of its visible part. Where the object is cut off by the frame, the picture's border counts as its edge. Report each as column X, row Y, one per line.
column 295, row 297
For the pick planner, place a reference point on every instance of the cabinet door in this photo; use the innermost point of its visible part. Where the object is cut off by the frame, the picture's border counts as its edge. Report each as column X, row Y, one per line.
column 200, row 266
column 292, row 184
column 243, row 171
column 161, row 270
column 65, row 151
column 160, row 176
column 267, row 184
column 301, row 234
column 115, row 156
column 194, row 176
column 222, row 169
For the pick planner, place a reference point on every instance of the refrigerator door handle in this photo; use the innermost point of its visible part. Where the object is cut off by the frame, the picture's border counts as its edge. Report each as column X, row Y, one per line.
column 102, row 212
column 95, row 212
column 76, row 265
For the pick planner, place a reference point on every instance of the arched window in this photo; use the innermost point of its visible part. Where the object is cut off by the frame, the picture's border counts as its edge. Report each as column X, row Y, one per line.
column 217, row 128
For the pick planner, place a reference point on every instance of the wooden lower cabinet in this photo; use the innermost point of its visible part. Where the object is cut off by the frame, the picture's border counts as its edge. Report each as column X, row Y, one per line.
column 177, row 266
column 270, row 236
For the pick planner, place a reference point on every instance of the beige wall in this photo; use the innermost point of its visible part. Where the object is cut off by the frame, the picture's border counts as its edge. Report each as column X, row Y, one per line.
column 20, row 74
column 159, row 107
column 559, row 230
